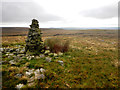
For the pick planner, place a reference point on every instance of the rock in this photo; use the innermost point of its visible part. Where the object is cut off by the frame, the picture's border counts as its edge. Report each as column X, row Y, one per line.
column 68, row 56
column 28, row 73
column 47, row 51
column 60, row 54
column 12, row 62
column 11, row 50
column 55, row 54
column 22, row 51
column 42, row 70
column 1, row 49
column 3, row 62
column 19, row 86
column 7, row 50
column 17, row 58
column 31, row 80
column 7, row 54
column 39, row 76
column 42, row 55
column 48, row 59
column 20, row 55
column 32, row 57
column 11, row 54
column 17, row 50
column 51, row 54
column 61, row 62
column 18, row 75
column 37, row 71
column 18, row 45
column 102, row 40
column 37, row 57
column 28, row 57
column 31, row 84
column 31, row 71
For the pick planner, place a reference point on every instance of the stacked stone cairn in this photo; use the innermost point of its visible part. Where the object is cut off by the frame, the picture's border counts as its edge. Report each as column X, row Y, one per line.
column 34, row 41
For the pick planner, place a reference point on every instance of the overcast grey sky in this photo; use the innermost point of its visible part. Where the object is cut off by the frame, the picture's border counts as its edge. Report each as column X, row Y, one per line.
column 60, row 13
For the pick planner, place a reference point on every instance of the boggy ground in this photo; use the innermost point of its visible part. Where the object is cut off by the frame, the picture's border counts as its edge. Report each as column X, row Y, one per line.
column 91, row 62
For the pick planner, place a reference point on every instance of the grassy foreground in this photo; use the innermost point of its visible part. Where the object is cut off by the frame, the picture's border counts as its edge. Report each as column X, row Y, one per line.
column 91, row 62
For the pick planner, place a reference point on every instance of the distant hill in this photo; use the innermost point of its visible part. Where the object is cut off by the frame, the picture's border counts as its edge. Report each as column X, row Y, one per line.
column 86, row 28
column 23, row 31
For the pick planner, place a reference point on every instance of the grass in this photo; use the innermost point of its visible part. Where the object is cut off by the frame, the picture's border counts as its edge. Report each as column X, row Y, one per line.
column 89, row 63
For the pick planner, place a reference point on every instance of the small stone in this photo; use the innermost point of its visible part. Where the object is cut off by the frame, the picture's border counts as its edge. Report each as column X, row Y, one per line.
column 22, row 51
column 55, row 54
column 60, row 54
column 3, row 62
column 42, row 70
column 19, row 86
column 28, row 73
column 31, row 79
column 12, row 62
column 17, row 50
column 11, row 54
column 47, row 51
column 37, row 57
column 42, row 55
column 31, row 71
column 48, row 59
column 7, row 54
column 39, row 76
column 17, row 58
column 29, row 57
column 37, row 71
column 51, row 54
column 31, row 84
column 32, row 57
column 1, row 49
column 18, row 75
column 61, row 62
column 11, row 50
column 69, row 56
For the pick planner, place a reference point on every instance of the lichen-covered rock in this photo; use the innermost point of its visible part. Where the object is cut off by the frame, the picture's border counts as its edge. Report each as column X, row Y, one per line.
column 34, row 42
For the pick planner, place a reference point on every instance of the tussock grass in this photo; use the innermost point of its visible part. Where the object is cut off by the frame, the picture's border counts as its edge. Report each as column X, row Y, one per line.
column 57, row 45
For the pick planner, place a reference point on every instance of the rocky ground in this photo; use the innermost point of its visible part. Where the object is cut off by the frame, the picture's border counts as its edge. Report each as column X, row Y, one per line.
column 14, row 57
column 91, row 62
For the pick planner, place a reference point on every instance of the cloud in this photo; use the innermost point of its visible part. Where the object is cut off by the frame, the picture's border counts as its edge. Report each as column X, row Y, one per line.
column 23, row 12
column 105, row 12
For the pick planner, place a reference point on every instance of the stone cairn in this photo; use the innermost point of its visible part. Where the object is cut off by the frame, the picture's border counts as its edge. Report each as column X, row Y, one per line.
column 34, row 41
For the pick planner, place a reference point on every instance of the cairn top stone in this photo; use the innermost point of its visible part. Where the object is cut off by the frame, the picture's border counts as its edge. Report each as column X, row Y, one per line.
column 34, row 24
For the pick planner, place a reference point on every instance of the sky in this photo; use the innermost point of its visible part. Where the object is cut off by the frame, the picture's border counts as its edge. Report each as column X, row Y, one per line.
column 59, row 13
